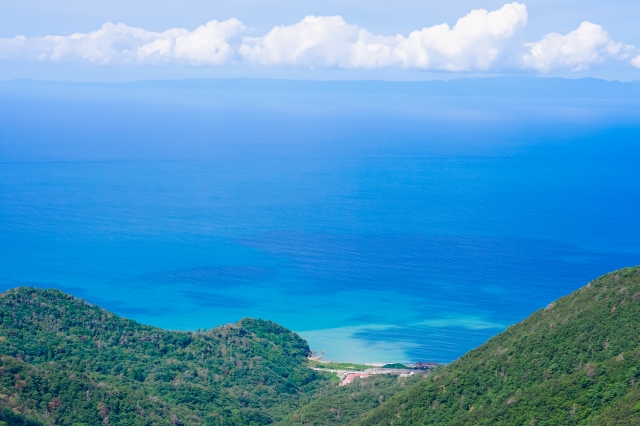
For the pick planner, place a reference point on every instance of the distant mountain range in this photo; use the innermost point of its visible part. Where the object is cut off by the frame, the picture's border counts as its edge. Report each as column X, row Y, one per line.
column 498, row 87
column 67, row 362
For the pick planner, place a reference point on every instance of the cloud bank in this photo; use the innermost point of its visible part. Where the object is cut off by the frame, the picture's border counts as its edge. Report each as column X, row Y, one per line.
column 473, row 43
column 477, row 42
column 119, row 43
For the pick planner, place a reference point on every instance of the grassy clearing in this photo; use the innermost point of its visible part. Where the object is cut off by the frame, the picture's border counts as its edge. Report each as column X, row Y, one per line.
column 338, row 365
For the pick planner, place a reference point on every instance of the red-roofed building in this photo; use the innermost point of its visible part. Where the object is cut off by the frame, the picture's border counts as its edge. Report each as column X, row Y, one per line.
column 351, row 377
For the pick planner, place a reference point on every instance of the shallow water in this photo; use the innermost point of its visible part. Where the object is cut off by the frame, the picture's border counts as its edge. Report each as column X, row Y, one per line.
column 382, row 227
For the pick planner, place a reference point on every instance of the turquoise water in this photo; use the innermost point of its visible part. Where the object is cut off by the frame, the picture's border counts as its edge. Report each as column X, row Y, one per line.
column 382, row 227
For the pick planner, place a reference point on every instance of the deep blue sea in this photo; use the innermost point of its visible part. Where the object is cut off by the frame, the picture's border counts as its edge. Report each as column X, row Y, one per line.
column 382, row 227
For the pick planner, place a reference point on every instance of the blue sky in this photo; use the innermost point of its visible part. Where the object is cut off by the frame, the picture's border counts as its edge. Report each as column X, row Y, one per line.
column 350, row 39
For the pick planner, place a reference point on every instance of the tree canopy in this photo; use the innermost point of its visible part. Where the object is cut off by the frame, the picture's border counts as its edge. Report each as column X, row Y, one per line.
column 65, row 361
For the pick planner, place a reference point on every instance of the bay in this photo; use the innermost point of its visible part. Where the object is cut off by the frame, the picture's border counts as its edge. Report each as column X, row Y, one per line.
column 382, row 226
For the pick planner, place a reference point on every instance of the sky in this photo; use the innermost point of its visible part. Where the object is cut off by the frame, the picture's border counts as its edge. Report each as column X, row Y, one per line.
column 118, row 40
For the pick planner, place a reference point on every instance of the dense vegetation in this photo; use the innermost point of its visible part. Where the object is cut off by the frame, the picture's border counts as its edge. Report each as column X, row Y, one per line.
column 577, row 362
column 9, row 418
column 64, row 361
column 340, row 405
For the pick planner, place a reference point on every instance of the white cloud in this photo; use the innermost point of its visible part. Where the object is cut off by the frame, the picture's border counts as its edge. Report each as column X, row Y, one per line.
column 207, row 44
column 474, row 42
column 589, row 44
column 313, row 41
column 119, row 43
column 11, row 47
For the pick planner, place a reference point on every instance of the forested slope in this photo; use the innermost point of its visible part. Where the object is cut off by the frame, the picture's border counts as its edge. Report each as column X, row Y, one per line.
column 64, row 361
column 67, row 362
column 575, row 362
column 340, row 405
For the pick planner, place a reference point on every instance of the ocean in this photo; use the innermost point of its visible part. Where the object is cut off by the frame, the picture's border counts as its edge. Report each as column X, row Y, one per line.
column 382, row 223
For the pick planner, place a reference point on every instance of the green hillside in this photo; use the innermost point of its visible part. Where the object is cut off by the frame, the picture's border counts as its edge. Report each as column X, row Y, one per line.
column 67, row 362
column 340, row 405
column 577, row 362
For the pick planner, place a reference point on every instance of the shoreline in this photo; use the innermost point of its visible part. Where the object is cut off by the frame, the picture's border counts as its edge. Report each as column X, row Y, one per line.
column 346, row 373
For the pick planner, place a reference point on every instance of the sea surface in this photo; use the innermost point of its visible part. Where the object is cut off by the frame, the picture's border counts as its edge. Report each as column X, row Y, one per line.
column 381, row 226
